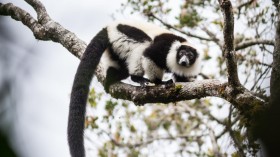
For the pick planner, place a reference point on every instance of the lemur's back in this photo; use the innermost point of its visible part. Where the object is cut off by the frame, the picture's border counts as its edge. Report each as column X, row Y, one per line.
column 150, row 29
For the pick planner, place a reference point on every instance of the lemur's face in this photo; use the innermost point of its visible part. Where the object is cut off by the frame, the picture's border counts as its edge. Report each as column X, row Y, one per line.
column 186, row 56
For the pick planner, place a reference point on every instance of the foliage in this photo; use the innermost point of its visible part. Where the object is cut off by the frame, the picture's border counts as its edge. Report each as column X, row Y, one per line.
column 206, row 127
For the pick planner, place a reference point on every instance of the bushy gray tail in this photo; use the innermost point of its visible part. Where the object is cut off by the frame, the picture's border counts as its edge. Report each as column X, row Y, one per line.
column 80, row 90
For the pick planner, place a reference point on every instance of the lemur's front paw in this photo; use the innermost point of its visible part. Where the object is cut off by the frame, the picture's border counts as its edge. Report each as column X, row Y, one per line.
column 165, row 83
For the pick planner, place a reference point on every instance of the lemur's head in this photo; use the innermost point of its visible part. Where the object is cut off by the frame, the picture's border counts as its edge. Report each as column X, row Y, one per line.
column 183, row 59
column 186, row 55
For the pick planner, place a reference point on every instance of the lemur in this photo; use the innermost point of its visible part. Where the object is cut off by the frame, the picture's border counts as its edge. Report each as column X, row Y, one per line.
column 126, row 49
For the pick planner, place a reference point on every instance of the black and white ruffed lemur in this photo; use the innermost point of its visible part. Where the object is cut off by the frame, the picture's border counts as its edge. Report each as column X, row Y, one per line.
column 126, row 49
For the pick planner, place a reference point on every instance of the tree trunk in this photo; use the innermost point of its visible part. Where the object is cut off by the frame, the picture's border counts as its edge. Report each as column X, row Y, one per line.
column 269, row 130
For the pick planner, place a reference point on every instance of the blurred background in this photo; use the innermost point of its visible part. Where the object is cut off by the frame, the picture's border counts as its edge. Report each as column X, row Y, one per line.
column 36, row 79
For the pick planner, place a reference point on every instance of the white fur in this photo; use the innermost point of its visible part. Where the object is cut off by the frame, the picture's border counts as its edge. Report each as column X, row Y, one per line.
column 120, row 43
column 134, row 60
column 151, row 69
column 174, row 67
column 151, row 30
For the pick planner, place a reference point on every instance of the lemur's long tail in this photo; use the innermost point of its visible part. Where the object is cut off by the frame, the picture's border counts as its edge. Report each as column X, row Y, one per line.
column 80, row 90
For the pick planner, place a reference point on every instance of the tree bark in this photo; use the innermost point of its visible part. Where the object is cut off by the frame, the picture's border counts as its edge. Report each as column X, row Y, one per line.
column 269, row 129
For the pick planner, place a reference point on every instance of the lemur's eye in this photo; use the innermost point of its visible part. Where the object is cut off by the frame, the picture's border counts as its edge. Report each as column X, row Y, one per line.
column 191, row 56
column 182, row 52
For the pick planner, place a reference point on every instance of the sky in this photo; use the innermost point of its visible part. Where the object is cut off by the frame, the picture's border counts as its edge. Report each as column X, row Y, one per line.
column 37, row 119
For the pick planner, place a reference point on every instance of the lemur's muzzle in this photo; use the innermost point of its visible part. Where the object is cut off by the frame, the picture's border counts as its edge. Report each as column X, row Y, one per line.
column 184, row 61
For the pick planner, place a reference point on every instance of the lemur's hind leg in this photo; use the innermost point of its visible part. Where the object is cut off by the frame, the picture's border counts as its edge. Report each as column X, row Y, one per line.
column 135, row 67
column 114, row 75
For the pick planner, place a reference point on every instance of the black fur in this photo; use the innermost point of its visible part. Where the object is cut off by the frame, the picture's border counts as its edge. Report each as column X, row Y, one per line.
column 158, row 51
column 80, row 90
column 179, row 78
column 134, row 33
column 114, row 75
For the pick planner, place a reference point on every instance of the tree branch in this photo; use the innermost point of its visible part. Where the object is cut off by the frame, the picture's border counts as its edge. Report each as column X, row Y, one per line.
column 226, row 127
column 212, row 36
column 237, row 144
column 46, row 28
column 20, row 15
column 253, row 42
column 228, row 51
column 214, row 142
column 166, row 94
column 239, row 7
column 178, row 30
column 150, row 140
column 41, row 11
column 254, row 61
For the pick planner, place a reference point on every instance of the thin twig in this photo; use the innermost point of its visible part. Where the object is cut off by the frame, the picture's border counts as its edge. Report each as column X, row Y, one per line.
column 225, row 129
column 215, row 145
column 212, row 36
column 239, row 7
column 178, row 30
column 237, row 144
column 150, row 140
column 259, row 78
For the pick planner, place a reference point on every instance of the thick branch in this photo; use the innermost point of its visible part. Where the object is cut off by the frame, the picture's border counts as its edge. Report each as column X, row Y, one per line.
column 167, row 94
column 20, row 15
column 245, row 101
column 229, row 52
column 47, row 29
column 253, row 42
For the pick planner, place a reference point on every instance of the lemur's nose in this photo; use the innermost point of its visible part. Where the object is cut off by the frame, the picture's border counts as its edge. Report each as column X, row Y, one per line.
column 184, row 63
